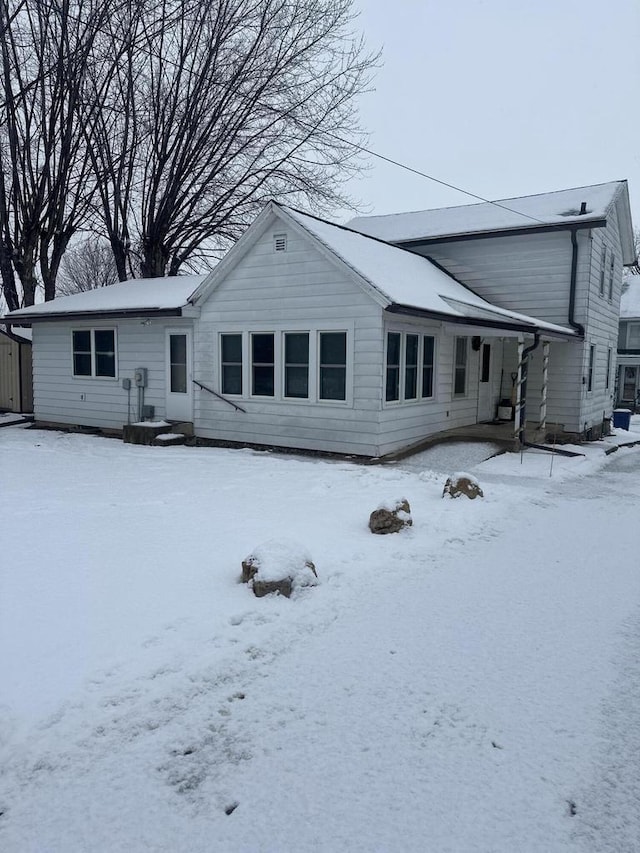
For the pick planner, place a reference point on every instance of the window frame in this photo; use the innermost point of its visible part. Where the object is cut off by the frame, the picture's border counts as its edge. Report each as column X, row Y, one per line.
column 286, row 364
column 458, row 395
column 603, row 268
column 612, row 267
column 591, row 366
column 607, row 381
column 345, row 367
column 279, row 330
column 93, row 353
column 403, row 367
column 253, row 364
column 231, row 363
column 635, row 326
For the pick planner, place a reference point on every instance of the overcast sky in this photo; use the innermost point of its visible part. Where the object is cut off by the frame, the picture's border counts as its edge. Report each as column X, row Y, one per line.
column 501, row 97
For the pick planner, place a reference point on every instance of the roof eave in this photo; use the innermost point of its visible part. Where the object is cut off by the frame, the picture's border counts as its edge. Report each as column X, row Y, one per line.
column 508, row 326
column 463, row 236
column 121, row 314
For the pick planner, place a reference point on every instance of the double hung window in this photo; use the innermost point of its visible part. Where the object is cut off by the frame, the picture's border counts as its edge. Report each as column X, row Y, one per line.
column 94, row 353
column 460, row 367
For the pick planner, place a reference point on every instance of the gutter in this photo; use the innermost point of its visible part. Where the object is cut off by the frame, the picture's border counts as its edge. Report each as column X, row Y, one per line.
column 498, row 232
column 572, row 286
column 410, row 311
column 124, row 313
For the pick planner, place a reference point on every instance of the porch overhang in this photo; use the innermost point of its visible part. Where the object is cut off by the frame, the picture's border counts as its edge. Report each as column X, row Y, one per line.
column 471, row 326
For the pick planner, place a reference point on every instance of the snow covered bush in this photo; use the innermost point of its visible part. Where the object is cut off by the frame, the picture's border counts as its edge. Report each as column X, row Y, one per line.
column 391, row 517
column 462, row 484
column 281, row 566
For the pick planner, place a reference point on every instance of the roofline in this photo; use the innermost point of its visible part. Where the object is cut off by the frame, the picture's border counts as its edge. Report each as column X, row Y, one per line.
column 14, row 336
column 124, row 313
column 409, row 310
column 464, row 236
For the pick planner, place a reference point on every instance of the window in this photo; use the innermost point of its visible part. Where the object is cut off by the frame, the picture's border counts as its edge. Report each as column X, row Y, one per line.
column 94, row 353
column 460, row 368
column 231, row 361
column 608, row 376
column 262, row 364
column 603, row 266
column 428, row 352
column 485, row 365
column 411, row 367
column 633, row 336
column 333, row 366
column 394, row 340
column 592, row 360
column 296, row 364
column 612, row 266
column 178, row 364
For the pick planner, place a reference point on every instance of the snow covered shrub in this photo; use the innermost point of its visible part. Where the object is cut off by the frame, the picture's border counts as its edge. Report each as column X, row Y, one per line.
column 462, row 484
column 391, row 517
column 281, row 566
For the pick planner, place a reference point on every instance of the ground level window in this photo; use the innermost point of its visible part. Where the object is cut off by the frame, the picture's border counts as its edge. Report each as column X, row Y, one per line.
column 393, row 366
column 333, row 366
column 411, row 367
column 262, row 364
column 460, row 369
column 592, row 360
column 296, row 365
column 94, row 353
column 231, row 361
column 428, row 353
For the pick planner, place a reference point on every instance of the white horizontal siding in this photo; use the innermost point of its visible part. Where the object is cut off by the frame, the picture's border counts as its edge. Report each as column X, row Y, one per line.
column 297, row 290
column 59, row 397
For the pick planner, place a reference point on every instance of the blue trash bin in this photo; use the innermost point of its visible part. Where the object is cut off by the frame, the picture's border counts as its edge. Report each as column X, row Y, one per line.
column 622, row 418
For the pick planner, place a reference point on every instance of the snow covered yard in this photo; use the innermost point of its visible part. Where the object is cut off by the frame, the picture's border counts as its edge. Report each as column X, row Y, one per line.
column 470, row 684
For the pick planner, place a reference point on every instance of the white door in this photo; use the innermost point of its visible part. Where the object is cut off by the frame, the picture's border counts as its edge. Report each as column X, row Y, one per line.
column 179, row 403
column 486, row 403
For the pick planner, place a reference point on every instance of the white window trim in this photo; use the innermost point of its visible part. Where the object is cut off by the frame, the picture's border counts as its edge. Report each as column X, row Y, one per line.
column 607, row 385
column 278, row 330
column 591, row 368
column 629, row 325
column 92, row 375
column 603, row 269
column 418, row 399
column 283, row 367
column 465, row 393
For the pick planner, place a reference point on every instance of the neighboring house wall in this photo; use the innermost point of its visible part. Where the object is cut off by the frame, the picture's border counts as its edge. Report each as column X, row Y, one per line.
column 531, row 273
column 15, row 375
column 297, row 290
column 62, row 398
column 628, row 364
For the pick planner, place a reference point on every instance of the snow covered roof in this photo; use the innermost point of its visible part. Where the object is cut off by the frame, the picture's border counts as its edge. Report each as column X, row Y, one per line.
column 140, row 294
column 555, row 208
column 17, row 333
column 630, row 299
column 406, row 279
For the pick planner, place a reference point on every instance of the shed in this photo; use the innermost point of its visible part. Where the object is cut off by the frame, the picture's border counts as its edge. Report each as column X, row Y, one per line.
column 16, row 384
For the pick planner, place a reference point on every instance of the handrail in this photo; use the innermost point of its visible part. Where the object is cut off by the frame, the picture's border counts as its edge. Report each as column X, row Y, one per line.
column 219, row 396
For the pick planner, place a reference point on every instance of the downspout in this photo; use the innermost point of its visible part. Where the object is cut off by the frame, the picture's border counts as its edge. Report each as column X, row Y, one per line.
column 524, row 370
column 572, row 287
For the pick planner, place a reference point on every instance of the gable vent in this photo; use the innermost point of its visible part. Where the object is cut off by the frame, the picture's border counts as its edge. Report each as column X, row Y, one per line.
column 279, row 242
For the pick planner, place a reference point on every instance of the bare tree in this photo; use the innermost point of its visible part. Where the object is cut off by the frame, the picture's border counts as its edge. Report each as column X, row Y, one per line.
column 196, row 114
column 45, row 180
column 87, row 266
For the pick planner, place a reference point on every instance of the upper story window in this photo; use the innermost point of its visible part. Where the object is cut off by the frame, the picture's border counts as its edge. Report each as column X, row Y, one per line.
column 460, row 367
column 94, row 353
column 612, row 267
column 603, row 268
column 633, row 336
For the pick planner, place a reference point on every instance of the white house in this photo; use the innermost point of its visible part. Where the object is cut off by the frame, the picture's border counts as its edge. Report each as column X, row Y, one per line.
column 316, row 336
column 629, row 346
